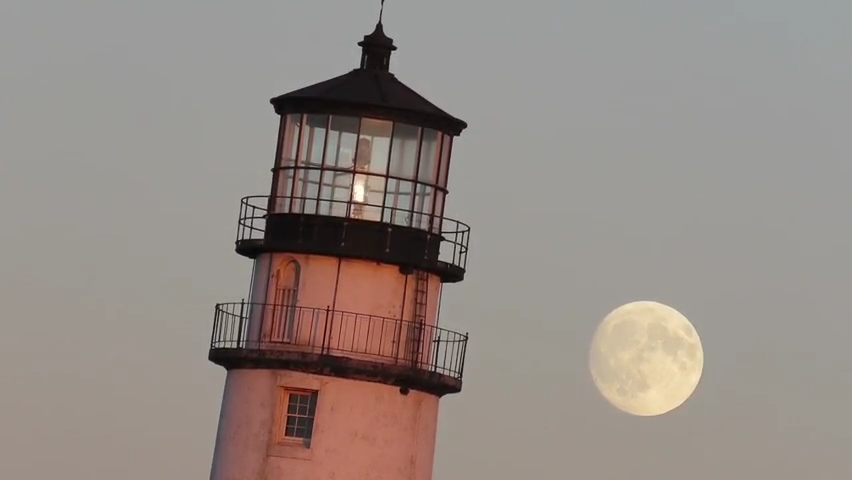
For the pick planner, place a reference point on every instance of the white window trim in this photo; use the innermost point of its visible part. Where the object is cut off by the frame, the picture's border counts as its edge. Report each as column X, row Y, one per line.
column 279, row 445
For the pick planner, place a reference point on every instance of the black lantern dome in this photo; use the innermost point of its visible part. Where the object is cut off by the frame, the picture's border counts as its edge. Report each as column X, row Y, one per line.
column 361, row 171
column 370, row 88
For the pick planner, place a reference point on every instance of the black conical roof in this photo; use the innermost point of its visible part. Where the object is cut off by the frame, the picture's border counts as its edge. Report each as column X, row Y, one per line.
column 370, row 90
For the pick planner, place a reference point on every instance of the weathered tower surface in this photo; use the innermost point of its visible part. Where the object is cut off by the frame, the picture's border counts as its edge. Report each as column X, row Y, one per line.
column 336, row 363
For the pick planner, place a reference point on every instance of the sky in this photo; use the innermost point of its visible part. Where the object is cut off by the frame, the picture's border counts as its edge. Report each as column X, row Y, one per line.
column 688, row 152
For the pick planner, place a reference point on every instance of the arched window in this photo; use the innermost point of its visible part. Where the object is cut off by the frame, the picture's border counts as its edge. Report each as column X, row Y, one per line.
column 285, row 296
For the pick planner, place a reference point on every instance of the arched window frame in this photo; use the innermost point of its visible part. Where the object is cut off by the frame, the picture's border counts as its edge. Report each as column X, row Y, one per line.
column 285, row 299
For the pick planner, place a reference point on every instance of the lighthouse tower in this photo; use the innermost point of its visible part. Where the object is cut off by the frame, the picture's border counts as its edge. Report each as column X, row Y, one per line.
column 335, row 362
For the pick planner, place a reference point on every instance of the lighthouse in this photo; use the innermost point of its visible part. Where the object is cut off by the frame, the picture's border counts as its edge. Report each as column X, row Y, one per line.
column 335, row 361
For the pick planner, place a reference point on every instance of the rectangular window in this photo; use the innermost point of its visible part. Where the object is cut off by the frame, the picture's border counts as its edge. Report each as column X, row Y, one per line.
column 297, row 419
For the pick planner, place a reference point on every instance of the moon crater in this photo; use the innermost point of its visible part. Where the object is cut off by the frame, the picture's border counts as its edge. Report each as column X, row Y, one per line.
column 646, row 358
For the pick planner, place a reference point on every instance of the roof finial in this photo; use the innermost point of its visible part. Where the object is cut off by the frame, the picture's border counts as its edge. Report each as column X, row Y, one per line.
column 376, row 47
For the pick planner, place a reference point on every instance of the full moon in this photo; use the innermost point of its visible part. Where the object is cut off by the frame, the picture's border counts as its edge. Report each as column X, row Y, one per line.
column 646, row 358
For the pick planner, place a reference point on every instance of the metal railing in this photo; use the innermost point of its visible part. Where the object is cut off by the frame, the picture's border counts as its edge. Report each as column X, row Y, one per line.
column 270, row 327
column 455, row 235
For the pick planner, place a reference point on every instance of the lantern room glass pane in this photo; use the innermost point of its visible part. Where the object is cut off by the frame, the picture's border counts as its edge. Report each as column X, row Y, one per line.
column 310, row 154
column 370, row 166
column 342, row 141
column 307, row 190
column 422, row 211
column 283, row 186
column 289, row 150
column 367, row 196
column 332, row 148
column 430, row 152
column 313, row 140
column 397, row 208
column 290, row 145
column 335, row 192
column 374, row 140
column 438, row 212
column 446, row 151
column 404, row 148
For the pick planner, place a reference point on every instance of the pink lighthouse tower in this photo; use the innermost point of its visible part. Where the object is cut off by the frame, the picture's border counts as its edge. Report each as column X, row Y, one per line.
column 335, row 362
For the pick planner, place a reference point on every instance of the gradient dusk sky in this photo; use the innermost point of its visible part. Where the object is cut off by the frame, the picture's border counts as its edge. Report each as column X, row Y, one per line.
column 696, row 153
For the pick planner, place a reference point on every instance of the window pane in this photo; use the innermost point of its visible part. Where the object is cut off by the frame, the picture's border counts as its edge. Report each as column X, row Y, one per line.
column 335, row 193
column 309, row 429
column 284, row 176
column 446, row 149
column 312, row 405
column 284, row 186
column 290, row 430
column 290, row 145
column 314, row 139
column 373, row 146
column 367, row 195
column 397, row 209
column 304, row 144
column 342, row 141
column 304, row 429
column 423, row 199
column 438, row 212
column 429, row 155
column 332, row 146
column 403, row 158
column 307, row 190
column 422, row 206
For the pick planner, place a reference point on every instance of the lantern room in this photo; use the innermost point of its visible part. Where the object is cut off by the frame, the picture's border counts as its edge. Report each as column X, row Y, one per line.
column 362, row 168
column 361, row 171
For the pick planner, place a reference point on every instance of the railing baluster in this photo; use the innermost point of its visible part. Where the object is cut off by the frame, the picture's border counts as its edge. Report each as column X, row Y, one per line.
column 325, row 330
column 399, row 340
column 314, row 328
column 339, row 337
column 230, row 318
column 446, row 352
column 240, row 327
column 460, row 372
column 382, row 336
column 437, row 346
